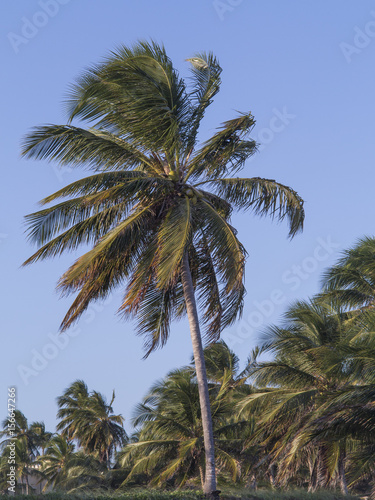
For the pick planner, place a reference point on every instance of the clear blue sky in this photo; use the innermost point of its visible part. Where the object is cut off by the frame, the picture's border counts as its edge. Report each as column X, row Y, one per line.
column 306, row 71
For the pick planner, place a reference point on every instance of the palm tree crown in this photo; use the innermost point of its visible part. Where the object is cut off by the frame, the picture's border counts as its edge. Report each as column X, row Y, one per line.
column 88, row 418
column 147, row 205
column 351, row 281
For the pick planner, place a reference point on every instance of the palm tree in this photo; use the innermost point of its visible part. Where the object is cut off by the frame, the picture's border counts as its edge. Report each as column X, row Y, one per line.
column 351, row 281
column 56, row 461
column 29, row 440
column 311, row 366
column 88, row 418
column 222, row 365
column 24, row 464
column 22, row 430
column 349, row 413
column 146, row 212
column 169, row 445
column 65, row 469
column 41, row 436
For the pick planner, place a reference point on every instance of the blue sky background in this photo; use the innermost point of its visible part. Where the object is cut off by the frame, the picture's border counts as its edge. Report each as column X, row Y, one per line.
column 309, row 61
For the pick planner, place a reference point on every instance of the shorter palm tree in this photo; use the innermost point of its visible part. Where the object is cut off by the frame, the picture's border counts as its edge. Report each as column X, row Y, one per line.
column 67, row 470
column 310, row 366
column 222, row 365
column 87, row 418
column 29, row 442
column 170, row 445
column 22, row 430
column 56, row 462
column 349, row 414
column 351, row 282
column 41, row 437
column 24, row 463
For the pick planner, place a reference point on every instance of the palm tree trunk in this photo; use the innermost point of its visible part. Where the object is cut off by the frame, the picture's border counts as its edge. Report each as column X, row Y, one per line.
column 342, row 478
column 313, row 476
column 201, row 473
column 25, row 484
column 200, row 368
column 273, row 474
column 252, row 483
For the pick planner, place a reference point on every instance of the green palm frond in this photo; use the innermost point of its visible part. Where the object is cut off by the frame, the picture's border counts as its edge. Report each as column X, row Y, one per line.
column 225, row 459
column 89, row 230
column 154, row 315
column 138, row 93
column 119, row 243
column 264, row 197
column 208, row 289
column 96, row 183
column 352, row 280
column 93, row 148
column 226, row 151
column 268, row 373
column 174, row 236
column 228, row 252
column 46, row 223
column 206, row 84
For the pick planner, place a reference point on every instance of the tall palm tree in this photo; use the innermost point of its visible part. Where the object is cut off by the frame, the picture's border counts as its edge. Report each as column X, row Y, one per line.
column 89, row 419
column 146, row 212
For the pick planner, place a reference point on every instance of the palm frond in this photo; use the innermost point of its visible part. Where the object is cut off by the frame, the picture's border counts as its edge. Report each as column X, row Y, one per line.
column 138, row 93
column 174, row 236
column 264, row 197
column 228, row 252
column 226, row 151
column 94, row 148
column 206, row 84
